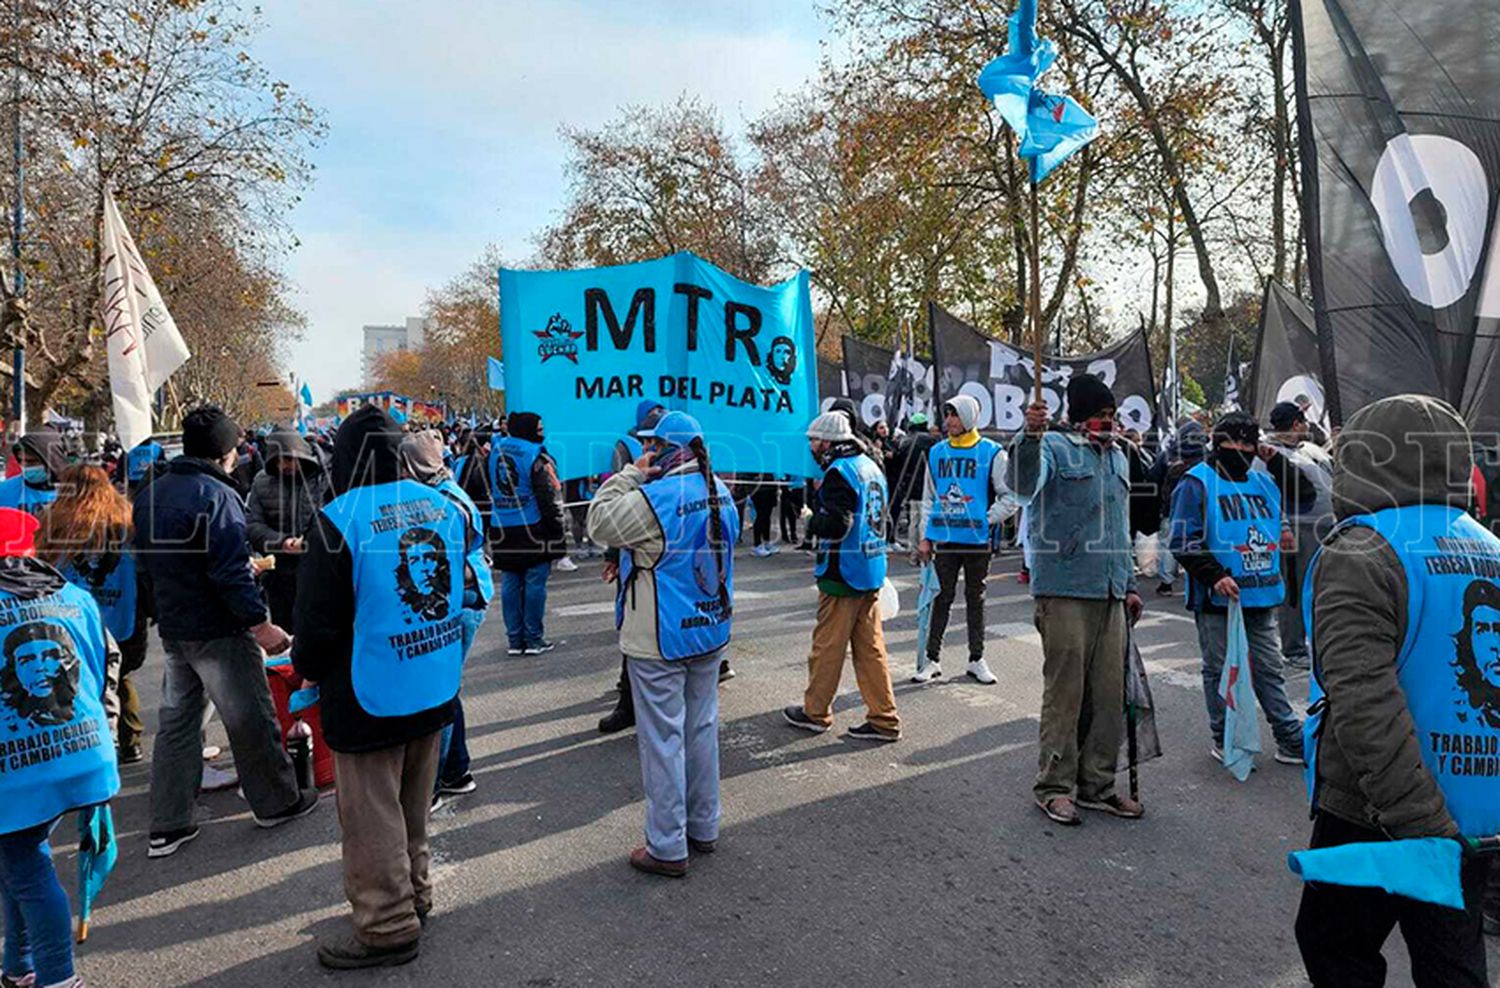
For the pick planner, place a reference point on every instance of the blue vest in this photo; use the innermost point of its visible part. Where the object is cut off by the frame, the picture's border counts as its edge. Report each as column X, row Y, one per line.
column 1242, row 529
column 110, row 579
column 56, row 747
column 512, row 501
column 861, row 552
column 961, row 486
column 477, row 559
column 408, row 543
column 139, row 460
column 1449, row 663
column 691, row 620
column 16, row 493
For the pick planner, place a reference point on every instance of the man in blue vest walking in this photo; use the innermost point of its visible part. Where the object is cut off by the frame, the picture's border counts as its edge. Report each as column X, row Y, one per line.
column 1405, row 720
column 380, row 612
column 42, row 460
column 849, row 523
column 964, row 496
column 1227, row 531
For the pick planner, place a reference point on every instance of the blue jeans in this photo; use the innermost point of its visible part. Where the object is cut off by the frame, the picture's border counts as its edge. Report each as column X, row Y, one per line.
column 38, row 920
column 453, row 761
column 677, row 734
column 523, row 599
column 1266, row 673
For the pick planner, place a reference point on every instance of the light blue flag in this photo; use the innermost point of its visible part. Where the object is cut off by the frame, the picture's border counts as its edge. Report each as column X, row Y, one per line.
column 97, row 853
column 584, row 348
column 497, row 375
column 927, row 592
column 307, row 395
column 1237, row 690
column 1422, row 868
column 1048, row 128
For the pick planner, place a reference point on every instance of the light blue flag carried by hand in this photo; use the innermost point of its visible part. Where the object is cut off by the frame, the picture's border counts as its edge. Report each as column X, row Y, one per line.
column 307, row 394
column 1237, row 690
column 97, row 852
column 927, row 592
column 496, row 375
column 1048, row 128
column 1424, row 868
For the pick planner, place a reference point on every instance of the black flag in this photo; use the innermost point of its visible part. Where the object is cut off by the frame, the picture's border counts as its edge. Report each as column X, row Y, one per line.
column 886, row 383
column 1399, row 105
column 1231, row 380
column 999, row 376
column 1286, row 358
column 830, row 380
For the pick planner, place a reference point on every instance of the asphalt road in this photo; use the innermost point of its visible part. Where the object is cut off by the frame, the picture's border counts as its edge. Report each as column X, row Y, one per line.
column 921, row 863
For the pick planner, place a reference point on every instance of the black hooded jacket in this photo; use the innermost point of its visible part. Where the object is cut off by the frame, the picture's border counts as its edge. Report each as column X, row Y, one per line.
column 282, row 507
column 46, row 445
column 364, row 453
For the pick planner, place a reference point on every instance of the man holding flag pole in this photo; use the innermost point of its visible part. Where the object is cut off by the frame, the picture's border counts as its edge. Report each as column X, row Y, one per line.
column 1084, row 600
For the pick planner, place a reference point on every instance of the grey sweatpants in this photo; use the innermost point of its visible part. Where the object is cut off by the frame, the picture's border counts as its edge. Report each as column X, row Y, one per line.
column 231, row 673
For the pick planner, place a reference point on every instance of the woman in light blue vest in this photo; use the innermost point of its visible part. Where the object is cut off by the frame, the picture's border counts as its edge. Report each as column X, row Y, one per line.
column 675, row 524
column 53, row 682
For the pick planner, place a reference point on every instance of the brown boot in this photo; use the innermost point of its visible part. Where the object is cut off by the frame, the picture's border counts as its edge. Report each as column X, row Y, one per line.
column 641, row 860
column 351, row 952
column 1060, row 809
column 1116, row 805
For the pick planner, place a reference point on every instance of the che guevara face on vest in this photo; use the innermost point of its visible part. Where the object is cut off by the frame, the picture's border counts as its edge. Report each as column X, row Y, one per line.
column 423, row 574
column 1478, row 650
column 39, row 679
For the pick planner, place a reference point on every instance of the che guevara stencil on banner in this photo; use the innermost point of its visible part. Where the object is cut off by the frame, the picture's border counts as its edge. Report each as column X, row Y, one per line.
column 583, row 348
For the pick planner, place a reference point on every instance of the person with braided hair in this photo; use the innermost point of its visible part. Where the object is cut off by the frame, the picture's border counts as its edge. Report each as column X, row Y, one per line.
column 675, row 525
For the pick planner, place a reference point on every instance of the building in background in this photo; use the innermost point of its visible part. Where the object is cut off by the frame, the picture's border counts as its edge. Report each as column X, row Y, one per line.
column 384, row 339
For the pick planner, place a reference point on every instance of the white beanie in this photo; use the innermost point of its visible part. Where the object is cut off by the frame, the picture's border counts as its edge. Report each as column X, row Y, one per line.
column 833, row 426
column 967, row 408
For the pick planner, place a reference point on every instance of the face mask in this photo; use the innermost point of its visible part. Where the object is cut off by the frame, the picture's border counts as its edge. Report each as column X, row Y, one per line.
column 35, row 475
column 1236, row 462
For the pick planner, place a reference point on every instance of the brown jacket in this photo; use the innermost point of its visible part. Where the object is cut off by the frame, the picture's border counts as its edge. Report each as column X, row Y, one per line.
column 1404, row 451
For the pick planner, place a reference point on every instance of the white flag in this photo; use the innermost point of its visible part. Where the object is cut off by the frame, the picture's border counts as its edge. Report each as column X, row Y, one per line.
column 145, row 347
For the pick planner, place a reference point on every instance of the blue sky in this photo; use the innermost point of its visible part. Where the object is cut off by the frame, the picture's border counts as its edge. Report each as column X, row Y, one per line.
column 443, row 128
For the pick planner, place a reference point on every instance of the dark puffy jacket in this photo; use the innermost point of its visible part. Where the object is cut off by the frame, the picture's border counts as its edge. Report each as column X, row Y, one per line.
column 364, row 453
column 282, row 507
column 190, row 538
column 1370, row 768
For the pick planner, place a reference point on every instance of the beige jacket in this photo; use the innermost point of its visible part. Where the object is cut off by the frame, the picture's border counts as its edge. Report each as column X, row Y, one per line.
column 620, row 517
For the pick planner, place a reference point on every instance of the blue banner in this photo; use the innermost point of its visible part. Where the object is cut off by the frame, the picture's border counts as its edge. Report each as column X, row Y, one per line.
column 584, row 348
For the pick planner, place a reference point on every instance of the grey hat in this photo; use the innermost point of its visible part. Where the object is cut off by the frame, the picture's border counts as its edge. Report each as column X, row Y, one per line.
column 833, row 426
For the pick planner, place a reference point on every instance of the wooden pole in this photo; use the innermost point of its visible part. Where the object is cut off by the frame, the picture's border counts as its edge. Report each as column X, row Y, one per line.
column 1036, row 299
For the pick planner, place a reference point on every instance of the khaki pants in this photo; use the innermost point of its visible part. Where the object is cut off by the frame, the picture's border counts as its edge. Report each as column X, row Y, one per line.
column 1083, row 695
column 383, row 799
column 849, row 624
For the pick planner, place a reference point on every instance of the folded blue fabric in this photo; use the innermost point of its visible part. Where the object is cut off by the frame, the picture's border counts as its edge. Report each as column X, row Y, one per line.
column 1422, row 868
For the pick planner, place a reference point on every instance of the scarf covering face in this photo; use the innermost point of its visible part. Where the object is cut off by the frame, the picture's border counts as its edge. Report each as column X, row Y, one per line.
column 422, row 458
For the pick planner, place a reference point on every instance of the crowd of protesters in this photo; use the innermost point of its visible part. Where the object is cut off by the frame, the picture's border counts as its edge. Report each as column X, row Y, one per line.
column 276, row 547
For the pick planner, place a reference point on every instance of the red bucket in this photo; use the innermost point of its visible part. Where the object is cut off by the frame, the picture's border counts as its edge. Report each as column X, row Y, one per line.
column 284, row 681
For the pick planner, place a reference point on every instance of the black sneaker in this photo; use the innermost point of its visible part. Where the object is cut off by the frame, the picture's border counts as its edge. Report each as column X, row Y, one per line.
column 538, row 647
column 515, row 650
column 726, row 673
column 797, row 717
column 702, row 846
column 1165, row 590
column 162, row 845
column 619, row 719
column 129, row 754
column 869, row 732
column 305, row 804
column 461, row 786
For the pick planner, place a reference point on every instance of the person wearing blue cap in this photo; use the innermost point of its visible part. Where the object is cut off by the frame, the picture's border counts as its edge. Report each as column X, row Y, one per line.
column 675, row 525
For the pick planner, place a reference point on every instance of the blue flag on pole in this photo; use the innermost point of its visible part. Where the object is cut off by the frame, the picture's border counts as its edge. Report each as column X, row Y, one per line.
column 584, row 348
column 307, row 395
column 1048, row 128
column 496, row 374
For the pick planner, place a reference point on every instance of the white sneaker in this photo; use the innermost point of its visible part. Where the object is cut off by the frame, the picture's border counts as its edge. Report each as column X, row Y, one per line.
column 928, row 674
column 211, row 751
column 761, row 550
column 979, row 671
column 772, row 548
column 215, row 779
column 567, row 565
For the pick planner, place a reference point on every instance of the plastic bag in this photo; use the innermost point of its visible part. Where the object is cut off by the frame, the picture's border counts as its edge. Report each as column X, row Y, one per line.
column 890, row 601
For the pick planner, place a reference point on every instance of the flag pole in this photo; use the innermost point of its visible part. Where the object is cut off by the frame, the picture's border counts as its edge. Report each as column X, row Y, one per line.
column 1036, row 298
column 17, row 230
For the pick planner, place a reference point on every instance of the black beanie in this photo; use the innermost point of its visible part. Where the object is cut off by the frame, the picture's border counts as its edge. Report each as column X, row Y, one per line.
column 207, row 433
column 1087, row 397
